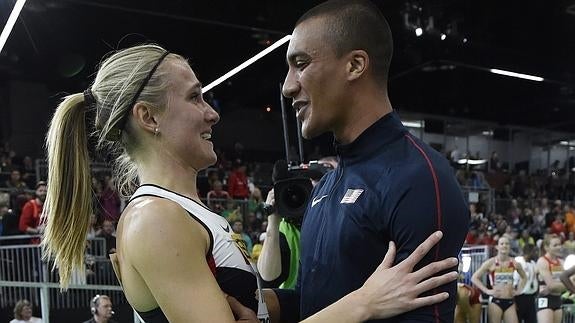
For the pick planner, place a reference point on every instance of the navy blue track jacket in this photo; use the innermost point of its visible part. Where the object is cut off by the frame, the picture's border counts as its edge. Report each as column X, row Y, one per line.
column 389, row 185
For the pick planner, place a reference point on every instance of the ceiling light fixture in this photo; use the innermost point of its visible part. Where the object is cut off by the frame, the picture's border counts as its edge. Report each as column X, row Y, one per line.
column 518, row 75
column 10, row 23
column 246, row 63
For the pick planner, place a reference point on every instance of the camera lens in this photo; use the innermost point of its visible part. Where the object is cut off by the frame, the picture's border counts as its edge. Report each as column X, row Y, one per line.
column 294, row 196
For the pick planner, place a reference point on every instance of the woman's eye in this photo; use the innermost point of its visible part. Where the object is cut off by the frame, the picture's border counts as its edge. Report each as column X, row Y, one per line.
column 196, row 97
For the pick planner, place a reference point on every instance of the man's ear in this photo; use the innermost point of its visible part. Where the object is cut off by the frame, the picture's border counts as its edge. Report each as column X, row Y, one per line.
column 357, row 64
column 146, row 117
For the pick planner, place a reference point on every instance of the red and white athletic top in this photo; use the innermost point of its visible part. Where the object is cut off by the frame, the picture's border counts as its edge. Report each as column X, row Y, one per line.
column 227, row 258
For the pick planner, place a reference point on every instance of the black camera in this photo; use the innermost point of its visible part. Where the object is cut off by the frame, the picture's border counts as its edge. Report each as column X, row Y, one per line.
column 293, row 187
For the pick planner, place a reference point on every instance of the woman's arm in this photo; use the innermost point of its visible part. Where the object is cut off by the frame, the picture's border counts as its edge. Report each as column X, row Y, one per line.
column 168, row 249
column 566, row 279
column 391, row 291
column 478, row 274
column 552, row 285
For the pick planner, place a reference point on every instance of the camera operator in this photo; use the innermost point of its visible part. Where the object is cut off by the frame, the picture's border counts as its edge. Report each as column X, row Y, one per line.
column 279, row 259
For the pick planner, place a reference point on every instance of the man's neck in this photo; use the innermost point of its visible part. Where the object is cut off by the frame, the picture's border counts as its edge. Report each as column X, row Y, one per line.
column 364, row 111
column 38, row 201
column 100, row 320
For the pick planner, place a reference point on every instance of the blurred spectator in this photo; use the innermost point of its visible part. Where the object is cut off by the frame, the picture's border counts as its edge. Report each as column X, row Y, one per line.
column 108, row 232
column 484, row 238
column 23, row 313
column 94, row 229
column 15, row 181
column 29, row 171
column 238, row 181
column 238, row 153
column 31, row 212
column 475, row 215
column 471, row 237
column 255, row 203
column 5, row 163
column 217, row 198
column 557, row 227
column 109, row 200
column 101, row 309
column 525, row 239
column 241, row 238
column 494, row 163
column 253, row 226
column 569, row 218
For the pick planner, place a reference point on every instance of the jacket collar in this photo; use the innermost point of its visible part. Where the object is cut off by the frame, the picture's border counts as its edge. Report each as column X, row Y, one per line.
column 380, row 134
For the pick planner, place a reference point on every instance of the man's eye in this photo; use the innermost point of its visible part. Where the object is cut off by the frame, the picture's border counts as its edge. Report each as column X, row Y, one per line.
column 300, row 64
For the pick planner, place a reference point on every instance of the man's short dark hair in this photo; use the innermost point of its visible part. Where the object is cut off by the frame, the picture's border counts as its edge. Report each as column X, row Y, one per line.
column 356, row 24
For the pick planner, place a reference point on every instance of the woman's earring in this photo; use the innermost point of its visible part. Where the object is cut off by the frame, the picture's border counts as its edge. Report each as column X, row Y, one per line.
column 156, row 131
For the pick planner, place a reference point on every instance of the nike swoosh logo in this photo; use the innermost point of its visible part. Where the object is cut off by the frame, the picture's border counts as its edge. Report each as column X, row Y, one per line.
column 316, row 200
column 227, row 229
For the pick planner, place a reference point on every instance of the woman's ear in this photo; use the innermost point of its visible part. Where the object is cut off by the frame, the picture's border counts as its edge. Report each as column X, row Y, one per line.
column 146, row 117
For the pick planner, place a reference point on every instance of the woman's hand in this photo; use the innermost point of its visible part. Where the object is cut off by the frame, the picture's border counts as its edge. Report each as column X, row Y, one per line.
column 391, row 291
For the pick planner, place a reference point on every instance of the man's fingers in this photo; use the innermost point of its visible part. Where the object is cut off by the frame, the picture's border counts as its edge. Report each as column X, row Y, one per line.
column 428, row 300
column 435, row 267
column 435, row 282
column 421, row 250
column 389, row 257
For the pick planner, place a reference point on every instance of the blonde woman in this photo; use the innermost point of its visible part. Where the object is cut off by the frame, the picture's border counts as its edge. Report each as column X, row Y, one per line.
column 550, row 268
column 500, row 270
column 23, row 313
column 174, row 255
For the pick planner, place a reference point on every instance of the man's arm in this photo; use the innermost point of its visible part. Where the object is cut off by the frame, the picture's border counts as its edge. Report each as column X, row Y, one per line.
column 269, row 262
column 424, row 198
column 523, row 278
column 274, row 260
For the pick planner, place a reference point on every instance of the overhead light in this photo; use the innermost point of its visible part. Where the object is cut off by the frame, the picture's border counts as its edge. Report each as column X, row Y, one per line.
column 443, row 36
column 246, row 63
column 518, row 75
column 418, row 31
column 464, row 161
column 10, row 23
column 487, row 133
column 414, row 124
column 464, row 40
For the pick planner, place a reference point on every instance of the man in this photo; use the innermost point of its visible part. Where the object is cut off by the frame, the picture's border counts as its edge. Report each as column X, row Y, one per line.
column 278, row 262
column 109, row 234
column 32, row 211
column 101, row 309
column 388, row 185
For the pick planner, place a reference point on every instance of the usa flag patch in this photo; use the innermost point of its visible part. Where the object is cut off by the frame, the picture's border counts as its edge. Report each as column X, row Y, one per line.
column 351, row 196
